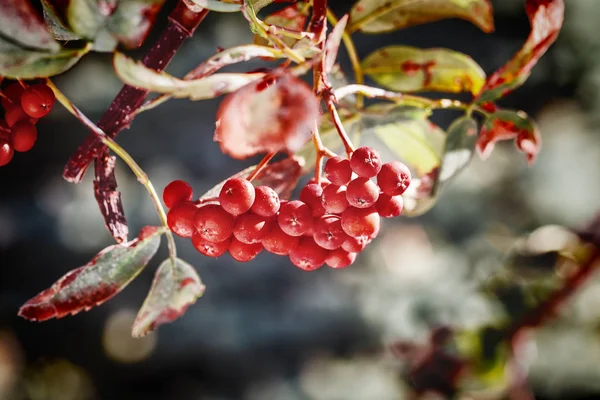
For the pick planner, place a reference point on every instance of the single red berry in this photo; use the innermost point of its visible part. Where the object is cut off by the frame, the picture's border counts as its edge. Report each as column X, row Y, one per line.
column 176, row 192
column 251, row 228
column 311, row 195
column 244, row 252
column 13, row 94
column 324, row 182
column 278, row 242
column 365, row 162
column 334, row 199
column 237, row 196
column 389, row 206
column 38, row 100
column 362, row 193
column 356, row 244
column 328, row 232
column 394, row 178
column 209, row 249
column 295, row 218
column 308, row 255
column 340, row 258
column 338, row 170
column 181, row 219
column 23, row 136
column 266, row 201
column 360, row 221
column 13, row 114
column 6, row 152
column 213, row 223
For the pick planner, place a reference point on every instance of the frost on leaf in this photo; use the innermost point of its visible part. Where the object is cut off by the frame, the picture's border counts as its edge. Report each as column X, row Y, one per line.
column 176, row 286
column 276, row 113
column 97, row 281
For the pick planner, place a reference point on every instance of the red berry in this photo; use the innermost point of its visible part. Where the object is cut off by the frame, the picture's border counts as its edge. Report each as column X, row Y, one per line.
column 13, row 94
column 213, row 223
column 176, row 192
column 365, row 162
column 334, row 199
column 362, row 193
column 266, row 202
column 37, row 100
column 278, row 242
column 311, row 195
column 394, row 178
column 6, row 152
column 324, row 182
column 209, row 249
column 251, row 228
column 308, row 255
column 356, row 244
column 237, row 196
column 181, row 219
column 340, row 259
column 389, row 206
column 360, row 221
column 328, row 232
column 23, row 136
column 295, row 218
column 338, row 170
column 244, row 252
column 13, row 114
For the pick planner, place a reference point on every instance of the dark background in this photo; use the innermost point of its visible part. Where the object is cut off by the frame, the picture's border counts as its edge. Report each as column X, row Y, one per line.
column 267, row 330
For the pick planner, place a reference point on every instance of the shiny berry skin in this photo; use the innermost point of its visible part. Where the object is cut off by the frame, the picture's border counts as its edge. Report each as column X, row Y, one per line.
column 356, row 244
column 266, row 202
column 362, row 193
column 176, row 192
column 295, row 218
column 13, row 93
column 311, row 195
column 360, row 221
column 209, row 249
column 278, row 242
column 6, row 152
column 37, row 100
column 23, row 136
column 389, row 206
column 14, row 114
column 181, row 219
column 308, row 255
column 244, row 252
column 365, row 162
column 213, row 223
column 338, row 170
column 334, row 199
column 394, row 178
column 251, row 228
column 340, row 258
column 237, row 196
column 328, row 232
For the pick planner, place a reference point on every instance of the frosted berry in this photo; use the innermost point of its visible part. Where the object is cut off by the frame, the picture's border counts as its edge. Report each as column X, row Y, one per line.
column 278, row 242
column 237, row 196
column 213, row 223
column 340, row 258
column 394, row 178
column 362, row 193
column 338, row 170
column 356, row 244
column 37, row 100
column 311, row 195
column 308, row 255
column 251, row 228
column 360, row 221
column 295, row 218
column 176, row 192
column 13, row 94
column 207, row 248
column 6, row 152
column 14, row 114
column 266, row 202
column 389, row 206
column 244, row 252
column 365, row 162
column 328, row 232
column 23, row 136
column 181, row 219
column 334, row 199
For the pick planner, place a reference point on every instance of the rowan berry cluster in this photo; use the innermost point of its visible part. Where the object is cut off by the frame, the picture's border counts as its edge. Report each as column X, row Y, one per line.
column 330, row 224
column 23, row 106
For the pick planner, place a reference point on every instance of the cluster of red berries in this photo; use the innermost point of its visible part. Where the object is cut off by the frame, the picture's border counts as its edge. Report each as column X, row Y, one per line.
column 331, row 223
column 23, row 106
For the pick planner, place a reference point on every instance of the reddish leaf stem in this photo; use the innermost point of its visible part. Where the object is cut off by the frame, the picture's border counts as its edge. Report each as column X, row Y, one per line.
column 261, row 166
column 330, row 103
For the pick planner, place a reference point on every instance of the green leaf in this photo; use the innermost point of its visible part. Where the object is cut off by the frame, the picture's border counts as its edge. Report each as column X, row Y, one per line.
column 217, row 6
column 377, row 16
column 410, row 69
column 56, row 25
column 21, row 24
column 291, row 17
column 176, row 286
column 459, row 147
column 132, row 20
column 92, row 284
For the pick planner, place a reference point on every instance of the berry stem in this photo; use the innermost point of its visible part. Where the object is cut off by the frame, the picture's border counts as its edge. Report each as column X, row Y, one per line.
column 330, row 103
column 261, row 165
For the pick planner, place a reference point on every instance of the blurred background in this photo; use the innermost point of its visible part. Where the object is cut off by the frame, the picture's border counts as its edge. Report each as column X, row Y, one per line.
column 267, row 330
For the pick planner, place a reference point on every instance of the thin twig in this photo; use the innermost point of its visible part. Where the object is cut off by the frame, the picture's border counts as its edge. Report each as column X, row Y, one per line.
column 261, row 166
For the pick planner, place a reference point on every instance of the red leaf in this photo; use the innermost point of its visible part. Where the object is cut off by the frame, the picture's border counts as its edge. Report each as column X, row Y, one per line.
column 281, row 176
column 97, row 281
column 546, row 18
